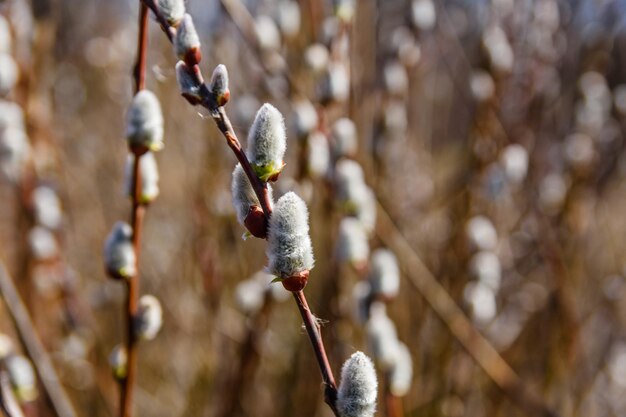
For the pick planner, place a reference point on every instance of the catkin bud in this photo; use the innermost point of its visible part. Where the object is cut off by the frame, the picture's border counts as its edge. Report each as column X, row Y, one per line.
column 149, row 173
column 22, row 377
column 119, row 254
column 47, row 207
column 8, row 74
column 289, row 247
column 363, row 203
column 149, row 317
column 316, row 57
column 318, row 154
column 188, row 83
column 344, row 138
column 348, row 174
column 357, row 392
column 246, row 203
column 219, row 85
column 187, row 42
column 382, row 336
column 288, row 18
column 401, row 373
column 384, row 274
column 5, row 36
column 118, row 361
column 267, row 143
column 145, row 123
column 304, row 117
column 267, row 33
column 43, row 244
column 6, row 346
column 482, row 233
column 486, row 267
column 14, row 151
column 352, row 243
column 172, row 10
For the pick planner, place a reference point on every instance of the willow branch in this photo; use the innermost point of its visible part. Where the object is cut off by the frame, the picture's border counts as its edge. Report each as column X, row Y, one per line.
column 138, row 210
column 36, row 352
column 260, row 188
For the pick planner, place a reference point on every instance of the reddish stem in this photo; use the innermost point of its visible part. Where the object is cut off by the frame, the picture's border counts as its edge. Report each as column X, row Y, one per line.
column 313, row 330
column 137, row 215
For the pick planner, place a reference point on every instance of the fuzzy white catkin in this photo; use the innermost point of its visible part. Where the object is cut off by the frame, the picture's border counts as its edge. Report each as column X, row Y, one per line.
column 145, row 121
column 384, row 273
column 289, row 247
column 186, row 37
column 515, row 162
column 337, row 82
column 485, row 265
column 423, row 14
column 243, row 194
column 482, row 85
column 316, row 58
column 352, row 242
column 11, row 116
column 149, row 317
column 401, row 373
column 14, row 152
column 482, row 233
column 187, row 84
column 482, row 300
column 304, row 117
column 348, row 174
column 318, row 154
column 363, row 200
column 358, row 389
column 149, row 172
column 6, row 346
column 382, row 336
column 22, row 377
column 267, row 33
column 288, row 18
column 219, row 80
column 119, row 254
column 8, row 74
column 344, row 136
column 172, row 10
column 43, row 244
column 396, row 79
column 267, row 139
column 5, row 36
column 47, row 207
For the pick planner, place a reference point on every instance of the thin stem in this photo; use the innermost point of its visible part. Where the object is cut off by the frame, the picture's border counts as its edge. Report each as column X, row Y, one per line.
column 137, row 215
column 50, row 381
column 313, row 330
column 142, row 48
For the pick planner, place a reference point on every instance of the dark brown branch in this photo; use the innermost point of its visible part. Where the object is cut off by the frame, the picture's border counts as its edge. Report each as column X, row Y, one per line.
column 28, row 335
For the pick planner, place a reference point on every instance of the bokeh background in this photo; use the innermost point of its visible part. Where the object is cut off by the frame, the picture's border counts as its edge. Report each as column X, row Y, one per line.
column 490, row 132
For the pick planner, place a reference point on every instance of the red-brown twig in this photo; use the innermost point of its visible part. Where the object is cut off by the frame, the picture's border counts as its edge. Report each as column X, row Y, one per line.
column 313, row 330
column 137, row 215
column 260, row 188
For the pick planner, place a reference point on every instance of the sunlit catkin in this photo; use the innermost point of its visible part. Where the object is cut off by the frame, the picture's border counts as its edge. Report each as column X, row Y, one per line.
column 267, row 143
column 358, row 388
column 144, row 128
